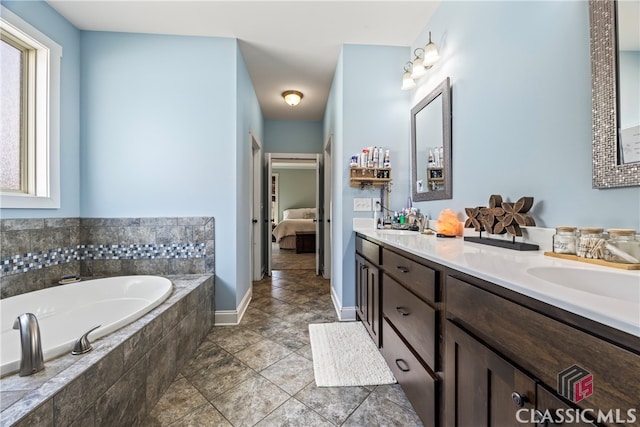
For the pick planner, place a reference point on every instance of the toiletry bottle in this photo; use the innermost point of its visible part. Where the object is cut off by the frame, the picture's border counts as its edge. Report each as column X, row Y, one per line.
column 387, row 159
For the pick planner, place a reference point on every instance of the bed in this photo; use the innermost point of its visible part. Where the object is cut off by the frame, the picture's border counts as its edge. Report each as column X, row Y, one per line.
column 294, row 220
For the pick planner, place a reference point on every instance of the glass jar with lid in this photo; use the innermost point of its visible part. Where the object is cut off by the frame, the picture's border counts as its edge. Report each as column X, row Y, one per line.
column 564, row 241
column 622, row 246
column 590, row 243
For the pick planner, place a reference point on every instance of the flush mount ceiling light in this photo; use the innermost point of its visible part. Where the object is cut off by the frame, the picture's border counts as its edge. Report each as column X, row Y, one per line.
column 292, row 97
column 424, row 59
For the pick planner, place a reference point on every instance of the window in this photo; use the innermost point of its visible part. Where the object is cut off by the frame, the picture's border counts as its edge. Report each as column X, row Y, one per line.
column 29, row 116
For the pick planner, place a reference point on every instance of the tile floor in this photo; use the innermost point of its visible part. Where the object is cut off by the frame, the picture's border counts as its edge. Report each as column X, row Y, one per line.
column 260, row 372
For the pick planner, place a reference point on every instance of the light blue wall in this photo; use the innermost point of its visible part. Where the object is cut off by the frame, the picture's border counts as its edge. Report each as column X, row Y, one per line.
column 365, row 110
column 249, row 120
column 41, row 16
column 161, row 136
column 333, row 128
column 521, row 101
column 293, row 136
column 296, row 189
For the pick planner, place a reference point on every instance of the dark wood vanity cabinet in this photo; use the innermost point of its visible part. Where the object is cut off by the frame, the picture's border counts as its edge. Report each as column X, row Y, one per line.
column 397, row 299
column 411, row 335
column 468, row 352
column 368, row 287
column 500, row 343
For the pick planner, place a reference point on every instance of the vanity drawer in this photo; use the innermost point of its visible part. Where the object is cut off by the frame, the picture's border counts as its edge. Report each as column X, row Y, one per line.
column 420, row 279
column 413, row 318
column 544, row 346
column 368, row 249
column 417, row 382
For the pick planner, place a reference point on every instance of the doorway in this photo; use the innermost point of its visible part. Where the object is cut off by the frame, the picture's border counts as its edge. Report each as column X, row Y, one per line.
column 294, row 225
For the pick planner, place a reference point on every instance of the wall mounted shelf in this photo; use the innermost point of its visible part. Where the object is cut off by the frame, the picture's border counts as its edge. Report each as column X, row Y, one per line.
column 369, row 177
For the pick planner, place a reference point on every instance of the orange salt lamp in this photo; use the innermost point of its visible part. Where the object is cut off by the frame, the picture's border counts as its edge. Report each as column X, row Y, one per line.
column 448, row 224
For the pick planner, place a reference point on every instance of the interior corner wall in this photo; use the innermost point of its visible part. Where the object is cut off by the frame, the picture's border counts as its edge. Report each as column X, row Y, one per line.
column 521, row 107
column 333, row 126
column 249, row 121
column 366, row 110
column 48, row 21
column 293, row 136
column 158, row 115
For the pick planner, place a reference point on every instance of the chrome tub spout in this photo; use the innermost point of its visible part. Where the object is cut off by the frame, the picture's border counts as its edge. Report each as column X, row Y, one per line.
column 31, row 360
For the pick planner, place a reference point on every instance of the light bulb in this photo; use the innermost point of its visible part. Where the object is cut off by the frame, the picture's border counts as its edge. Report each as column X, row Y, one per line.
column 407, row 81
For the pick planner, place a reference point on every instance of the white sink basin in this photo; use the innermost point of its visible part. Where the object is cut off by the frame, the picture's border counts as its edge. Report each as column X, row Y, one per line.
column 611, row 284
column 397, row 232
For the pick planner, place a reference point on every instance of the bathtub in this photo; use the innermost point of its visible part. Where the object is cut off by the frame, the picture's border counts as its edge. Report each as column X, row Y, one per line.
column 66, row 312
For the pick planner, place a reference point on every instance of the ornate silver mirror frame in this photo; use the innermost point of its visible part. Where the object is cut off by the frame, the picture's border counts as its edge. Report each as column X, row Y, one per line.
column 607, row 172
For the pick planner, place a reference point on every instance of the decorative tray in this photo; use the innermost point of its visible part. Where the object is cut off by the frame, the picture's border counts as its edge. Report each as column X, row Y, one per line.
column 620, row 265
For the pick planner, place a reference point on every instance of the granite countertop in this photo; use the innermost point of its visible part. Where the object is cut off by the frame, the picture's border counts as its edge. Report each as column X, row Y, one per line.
column 515, row 270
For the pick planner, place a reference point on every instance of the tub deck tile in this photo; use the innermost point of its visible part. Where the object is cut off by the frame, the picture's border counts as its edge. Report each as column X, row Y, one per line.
column 113, row 378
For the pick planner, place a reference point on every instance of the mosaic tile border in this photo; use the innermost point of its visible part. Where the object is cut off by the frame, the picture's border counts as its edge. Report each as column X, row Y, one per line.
column 22, row 263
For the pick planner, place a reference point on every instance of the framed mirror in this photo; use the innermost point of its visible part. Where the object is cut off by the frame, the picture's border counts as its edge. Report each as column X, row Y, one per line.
column 431, row 145
column 616, row 131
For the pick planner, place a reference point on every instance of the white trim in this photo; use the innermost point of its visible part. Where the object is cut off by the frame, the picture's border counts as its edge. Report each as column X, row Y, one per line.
column 233, row 317
column 47, row 118
column 345, row 314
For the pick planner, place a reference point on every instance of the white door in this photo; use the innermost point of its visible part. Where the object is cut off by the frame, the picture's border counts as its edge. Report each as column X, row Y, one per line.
column 319, row 215
column 326, row 195
column 267, row 212
column 257, row 207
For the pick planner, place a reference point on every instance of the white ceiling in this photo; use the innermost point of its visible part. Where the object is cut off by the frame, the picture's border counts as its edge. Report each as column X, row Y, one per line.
column 290, row 44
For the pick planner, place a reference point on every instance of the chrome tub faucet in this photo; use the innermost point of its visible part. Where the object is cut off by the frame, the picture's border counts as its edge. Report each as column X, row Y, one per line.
column 31, row 360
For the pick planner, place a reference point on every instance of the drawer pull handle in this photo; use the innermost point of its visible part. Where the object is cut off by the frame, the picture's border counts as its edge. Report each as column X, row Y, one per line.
column 403, row 268
column 402, row 311
column 518, row 399
column 364, row 267
column 402, row 365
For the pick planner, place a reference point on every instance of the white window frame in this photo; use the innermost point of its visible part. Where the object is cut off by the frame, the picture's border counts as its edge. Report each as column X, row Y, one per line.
column 46, row 188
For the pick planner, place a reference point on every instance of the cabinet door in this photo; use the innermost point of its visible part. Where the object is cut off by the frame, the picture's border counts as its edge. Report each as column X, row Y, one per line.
column 368, row 297
column 554, row 411
column 361, row 280
column 482, row 389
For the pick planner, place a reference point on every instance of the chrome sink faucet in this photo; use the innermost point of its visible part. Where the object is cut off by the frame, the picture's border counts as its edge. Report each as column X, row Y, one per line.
column 417, row 219
column 31, row 360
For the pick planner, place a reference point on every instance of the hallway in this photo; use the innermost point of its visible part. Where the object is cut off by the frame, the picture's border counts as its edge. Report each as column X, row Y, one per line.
column 260, row 372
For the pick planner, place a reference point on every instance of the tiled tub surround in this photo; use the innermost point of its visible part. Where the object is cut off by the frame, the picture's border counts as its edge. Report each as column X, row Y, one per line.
column 40, row 238
column 36, row 253
column 126, row 373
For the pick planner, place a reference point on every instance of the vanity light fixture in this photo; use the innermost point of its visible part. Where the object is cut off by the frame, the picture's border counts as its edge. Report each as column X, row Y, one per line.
column 292, row 97
column 424, row 59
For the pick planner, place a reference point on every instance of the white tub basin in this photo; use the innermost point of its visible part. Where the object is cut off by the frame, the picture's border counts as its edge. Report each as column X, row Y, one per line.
column 624, row 286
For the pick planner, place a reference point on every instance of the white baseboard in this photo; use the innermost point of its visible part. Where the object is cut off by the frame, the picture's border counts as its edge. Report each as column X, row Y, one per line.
column 233, row 317
column 344, row 313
